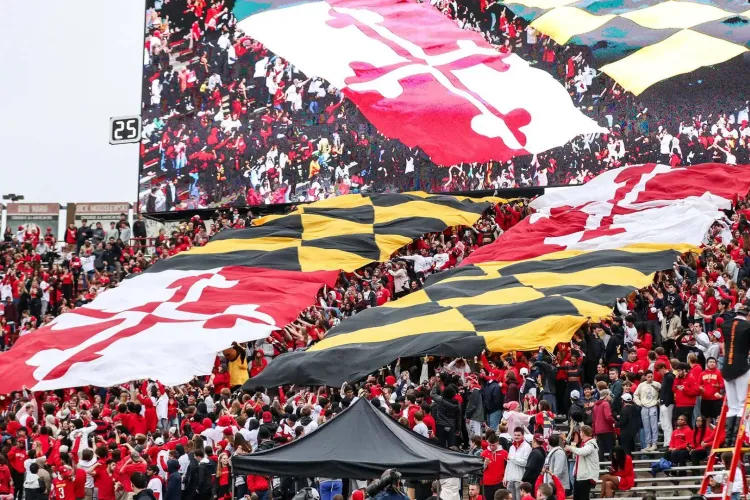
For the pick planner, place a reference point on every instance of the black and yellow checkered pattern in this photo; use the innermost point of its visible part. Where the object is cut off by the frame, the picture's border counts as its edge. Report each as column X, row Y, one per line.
column 646, row 41
column 343, row 233
column 499, row 306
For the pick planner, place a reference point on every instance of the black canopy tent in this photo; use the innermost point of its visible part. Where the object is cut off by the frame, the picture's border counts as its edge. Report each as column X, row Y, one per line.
column 359, row 443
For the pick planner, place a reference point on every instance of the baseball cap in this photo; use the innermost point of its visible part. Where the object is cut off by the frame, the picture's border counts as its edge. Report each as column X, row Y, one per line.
column 523, row 371
column 158, row 441
column 267, row 416
column 228, row 431
column 626, row 396
column 574, row 394
column 173, row 430
column 538, row 438
column 716, row 333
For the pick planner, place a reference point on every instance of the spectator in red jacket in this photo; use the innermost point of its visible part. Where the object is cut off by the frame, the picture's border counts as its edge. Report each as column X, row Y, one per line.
column 712, row 390
column 16, row 457
column 682, row 438
column 495, row 459
column 221, row 379
column 6, row 480
column 686, row 392
column 603, row 424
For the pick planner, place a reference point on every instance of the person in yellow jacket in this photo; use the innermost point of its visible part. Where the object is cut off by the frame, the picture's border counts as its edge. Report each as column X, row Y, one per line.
column 237, row 359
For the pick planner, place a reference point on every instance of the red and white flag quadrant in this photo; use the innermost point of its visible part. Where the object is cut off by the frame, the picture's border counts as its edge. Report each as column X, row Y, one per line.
column 420, row 78
column 641, row 204
column 165, row 325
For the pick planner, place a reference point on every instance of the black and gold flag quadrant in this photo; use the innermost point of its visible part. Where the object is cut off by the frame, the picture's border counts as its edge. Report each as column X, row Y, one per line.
column 496, row 306
column 343, row 233
column 639, row 43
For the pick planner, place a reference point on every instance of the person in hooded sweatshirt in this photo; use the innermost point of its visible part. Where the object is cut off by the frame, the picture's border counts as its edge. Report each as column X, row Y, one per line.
column 306, row 420
column 139, row 483
column 174, row 481
column 6, row 481
column 260, row 485
column 447, row 413
column 33, row 485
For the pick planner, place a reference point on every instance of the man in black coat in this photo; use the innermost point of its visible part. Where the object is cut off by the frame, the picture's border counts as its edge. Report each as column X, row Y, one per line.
column 629, row 423
column 666, row 400
column 493, row 402
column 82, row 234
column 139, row 231
column 736, row 370
column 535, row 462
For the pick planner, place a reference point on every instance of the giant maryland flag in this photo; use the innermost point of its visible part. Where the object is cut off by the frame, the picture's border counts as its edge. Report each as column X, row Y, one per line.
column 418, row 77
column 540, row 281
column 168, row 323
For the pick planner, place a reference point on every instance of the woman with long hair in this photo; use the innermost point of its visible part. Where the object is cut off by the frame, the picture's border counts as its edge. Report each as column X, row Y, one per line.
column 620, row 476
column 223, row 479
column 703, row 438
column 241, row 446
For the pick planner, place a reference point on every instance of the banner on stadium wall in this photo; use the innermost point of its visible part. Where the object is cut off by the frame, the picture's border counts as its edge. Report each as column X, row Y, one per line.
column 40, row 215
column 99, row 212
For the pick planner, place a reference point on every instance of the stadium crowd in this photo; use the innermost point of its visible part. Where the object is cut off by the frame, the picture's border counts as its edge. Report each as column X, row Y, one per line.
column 658, row 364
column 698, row 123
column 227, row 122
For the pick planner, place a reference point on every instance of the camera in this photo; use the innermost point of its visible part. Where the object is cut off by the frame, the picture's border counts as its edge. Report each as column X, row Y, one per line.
column 389, row 480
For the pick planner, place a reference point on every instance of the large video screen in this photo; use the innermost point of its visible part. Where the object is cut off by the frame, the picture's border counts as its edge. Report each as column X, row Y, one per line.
column 226, row 122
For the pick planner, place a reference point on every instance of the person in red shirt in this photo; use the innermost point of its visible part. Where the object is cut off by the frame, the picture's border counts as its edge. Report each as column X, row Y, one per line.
column 632, row 365
column 16, row 457
column 6, row 481
column 138, row 424
column 682, row 438
column 382, row 295
column 495, row 460
column 621, row 474
column 686, row 391
column 493, row 371
column 102, row 473
column 63, row 485
column 711, row 390
column 474, row 492
column 134, row 463
column 258, row 364
column 221, row 379
column 79, row 482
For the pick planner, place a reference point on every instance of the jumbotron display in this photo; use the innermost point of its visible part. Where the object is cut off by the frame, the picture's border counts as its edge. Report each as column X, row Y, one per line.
column 228, row 122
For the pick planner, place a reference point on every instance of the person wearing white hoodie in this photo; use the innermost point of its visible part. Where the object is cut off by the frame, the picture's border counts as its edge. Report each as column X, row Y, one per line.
column 518, row 455
column 83, row 433
column 33, row 485
column 87, row 462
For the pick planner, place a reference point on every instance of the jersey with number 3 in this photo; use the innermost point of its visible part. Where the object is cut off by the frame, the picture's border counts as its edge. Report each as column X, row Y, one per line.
column 64, row 489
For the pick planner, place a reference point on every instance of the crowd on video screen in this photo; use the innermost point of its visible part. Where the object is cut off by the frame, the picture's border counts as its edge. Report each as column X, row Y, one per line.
column 229, row 123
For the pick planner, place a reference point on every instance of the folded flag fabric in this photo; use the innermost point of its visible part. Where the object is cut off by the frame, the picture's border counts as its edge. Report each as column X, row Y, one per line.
column 540, row 281
column 641, row 43
column 168, row 323
column 420, row 78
